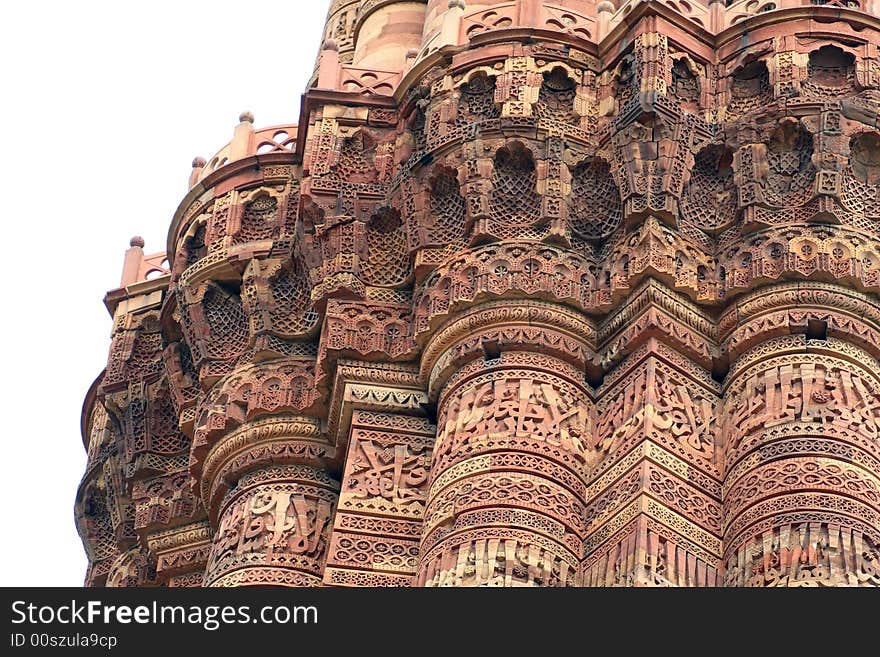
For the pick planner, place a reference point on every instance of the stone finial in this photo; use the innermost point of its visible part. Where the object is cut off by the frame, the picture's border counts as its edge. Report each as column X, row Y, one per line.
column 131, row 265
column 246, row 117
column 198, row 164
column 604, row 10
column 451, row 23
column 328, row 65
column 717, row 10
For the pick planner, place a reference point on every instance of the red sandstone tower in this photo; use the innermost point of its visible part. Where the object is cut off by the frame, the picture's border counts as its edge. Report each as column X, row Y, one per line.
column 534, row 294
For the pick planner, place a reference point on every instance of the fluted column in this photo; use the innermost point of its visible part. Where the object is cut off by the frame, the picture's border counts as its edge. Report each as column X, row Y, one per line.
column 506, row 498
column 265, row 472
column 269, row 491
column 274, row 529
column 801, row 492
column 386, row 31
column 338, row 29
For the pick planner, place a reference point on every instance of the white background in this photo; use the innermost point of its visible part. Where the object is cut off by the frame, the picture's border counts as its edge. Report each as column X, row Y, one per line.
column 103, row 105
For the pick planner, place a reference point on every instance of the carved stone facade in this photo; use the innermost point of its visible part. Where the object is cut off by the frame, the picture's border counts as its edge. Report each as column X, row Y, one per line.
column 534, row 294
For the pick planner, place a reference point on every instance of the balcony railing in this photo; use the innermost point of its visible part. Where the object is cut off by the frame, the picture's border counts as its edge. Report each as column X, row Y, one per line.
column 246, row 142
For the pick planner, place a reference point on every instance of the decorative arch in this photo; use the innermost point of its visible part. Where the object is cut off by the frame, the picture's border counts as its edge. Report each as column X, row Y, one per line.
column 388, row 263
column 448, row 206
column 260, row 212
column 557, row 95
column 831, row 72
column 709, row 199
column 686, row 75
column 594, row 206
column 514, row 202
column 750, row 88
column 791, row 170
column 476, row 98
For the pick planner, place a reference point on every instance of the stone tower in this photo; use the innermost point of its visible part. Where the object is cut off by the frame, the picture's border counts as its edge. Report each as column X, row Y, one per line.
column 533, row 294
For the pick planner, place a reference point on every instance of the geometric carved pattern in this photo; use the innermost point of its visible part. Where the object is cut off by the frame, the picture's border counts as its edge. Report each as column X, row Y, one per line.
column 556, row 98
column 515, row 202
column 685, row 85
column 477, row 100
column 510, row 414
column 789, row 156
column 447, row 207
column 256, row 223
column 659, row 403
column 709, row 201
column 388, row 263
column 806, row 554
column 594, row 209
column 750, row 89
column 831, row 73
column 386, row 476
column 783, row 403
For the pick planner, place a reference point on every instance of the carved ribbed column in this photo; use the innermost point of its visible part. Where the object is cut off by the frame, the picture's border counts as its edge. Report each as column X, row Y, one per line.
column 506, row 497
column 270, row 495
column 375, row 540
column 338, row 28
column 274, row 528
column 801, row 491
column 266, row 481
column 653, row 504
column 263, row 468
column 385, row 31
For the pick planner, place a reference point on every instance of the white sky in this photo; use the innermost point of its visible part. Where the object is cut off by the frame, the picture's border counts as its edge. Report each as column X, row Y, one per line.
column 104, row 105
